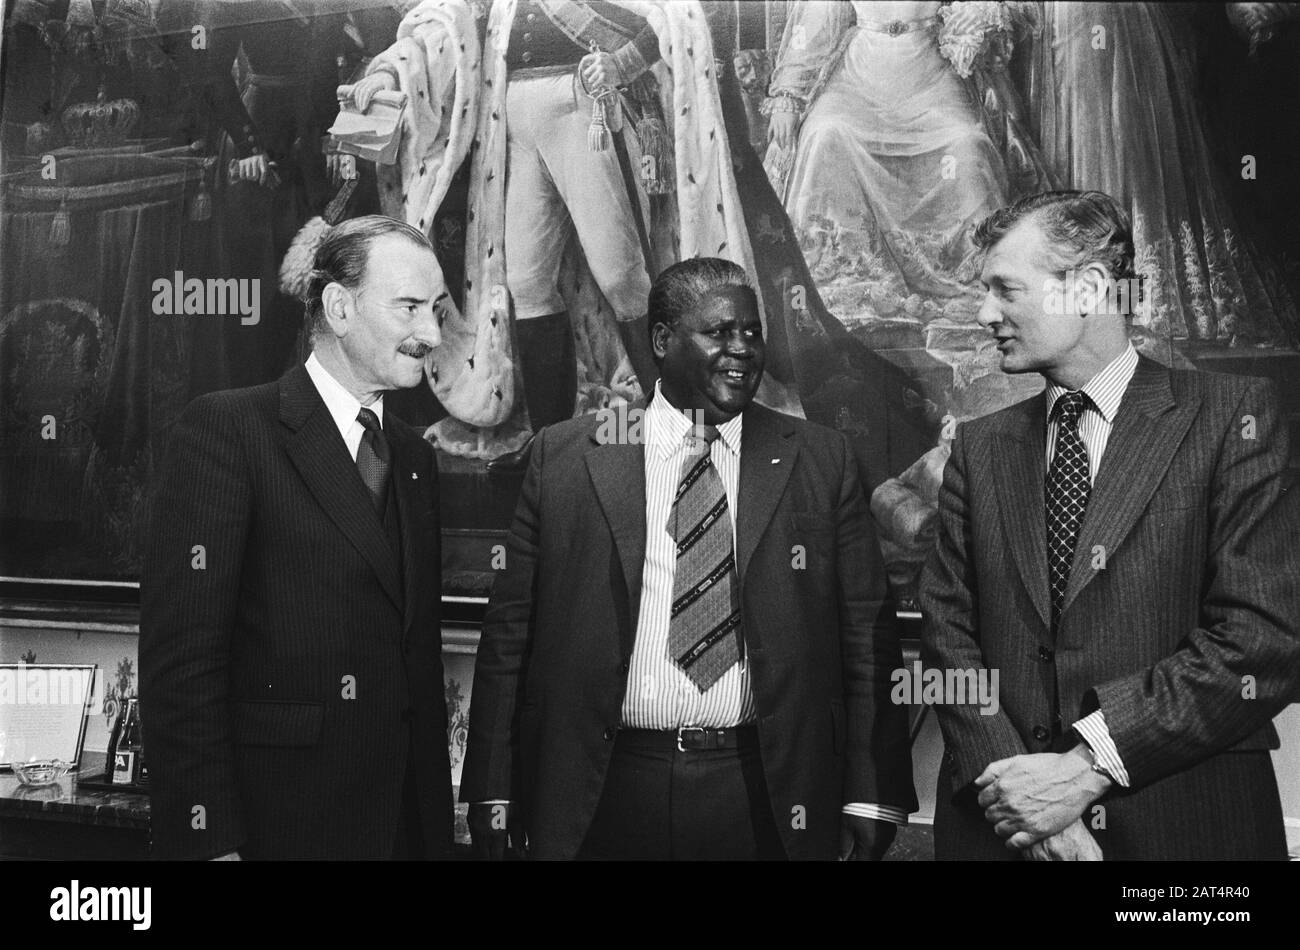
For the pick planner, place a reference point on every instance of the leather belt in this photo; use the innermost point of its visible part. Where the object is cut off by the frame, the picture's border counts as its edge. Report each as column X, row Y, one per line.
column 693, row 738
column 542, row 72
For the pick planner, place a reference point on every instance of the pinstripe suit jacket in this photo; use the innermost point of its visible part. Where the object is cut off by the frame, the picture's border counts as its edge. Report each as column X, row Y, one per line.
column 554, row 659
column 283, row 677
column 1180, row 618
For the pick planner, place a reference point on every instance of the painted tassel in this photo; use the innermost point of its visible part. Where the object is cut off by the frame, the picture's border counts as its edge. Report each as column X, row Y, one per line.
column 61, row 226
column 596, row 131
column 201, row 206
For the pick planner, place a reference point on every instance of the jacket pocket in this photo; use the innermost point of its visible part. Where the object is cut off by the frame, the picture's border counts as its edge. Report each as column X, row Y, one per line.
column 813, row 520
column 278, row 724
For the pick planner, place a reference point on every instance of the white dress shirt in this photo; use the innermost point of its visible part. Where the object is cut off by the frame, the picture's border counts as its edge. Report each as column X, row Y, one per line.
column 342, row 405
column 659, row 695
column 1106, row 390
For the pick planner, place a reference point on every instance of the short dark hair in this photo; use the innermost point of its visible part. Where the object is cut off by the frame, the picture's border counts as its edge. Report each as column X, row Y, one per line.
column 341, row 258
column 1081, row 227
column 682, row 286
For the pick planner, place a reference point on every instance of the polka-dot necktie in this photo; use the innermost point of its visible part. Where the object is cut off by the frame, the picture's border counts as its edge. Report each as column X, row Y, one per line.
column 1067, row 490
column 374, row 459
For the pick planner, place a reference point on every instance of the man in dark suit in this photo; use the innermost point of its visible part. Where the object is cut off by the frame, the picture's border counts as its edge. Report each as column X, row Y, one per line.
column 290, row 649
column 1123, row 551
column 689, row 650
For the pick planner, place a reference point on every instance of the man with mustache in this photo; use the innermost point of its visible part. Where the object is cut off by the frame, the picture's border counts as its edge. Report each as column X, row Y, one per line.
column 688, row 653
column 290, row 646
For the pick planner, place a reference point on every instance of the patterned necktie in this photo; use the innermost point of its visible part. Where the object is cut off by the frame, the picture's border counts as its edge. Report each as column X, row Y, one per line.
column 374, row 459
column 1067, row 492
column 704, row 631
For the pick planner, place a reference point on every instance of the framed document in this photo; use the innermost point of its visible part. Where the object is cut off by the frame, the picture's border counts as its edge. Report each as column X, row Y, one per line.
column 43, row 712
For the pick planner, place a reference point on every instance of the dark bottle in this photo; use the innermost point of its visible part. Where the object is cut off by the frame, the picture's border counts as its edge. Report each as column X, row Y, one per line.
column 128, row 755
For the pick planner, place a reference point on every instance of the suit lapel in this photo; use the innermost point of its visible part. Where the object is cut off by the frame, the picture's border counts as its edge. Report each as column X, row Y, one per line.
column 411, row 507
column 1147, row 431
column 617, row 470
column 767, row 458
column 321, row 457
column 1018, row 460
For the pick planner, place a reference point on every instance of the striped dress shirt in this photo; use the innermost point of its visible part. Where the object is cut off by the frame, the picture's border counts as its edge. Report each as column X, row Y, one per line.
column 659, row 695
column 1106, row 390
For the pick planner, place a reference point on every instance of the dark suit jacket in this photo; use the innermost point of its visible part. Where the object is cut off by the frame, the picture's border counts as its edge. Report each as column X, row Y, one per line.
column 245, row 663
column 1185, row 581
column 553, row 660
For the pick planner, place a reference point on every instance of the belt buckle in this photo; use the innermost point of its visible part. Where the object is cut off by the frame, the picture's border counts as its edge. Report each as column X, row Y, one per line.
column 896, row 28
column 684, row 729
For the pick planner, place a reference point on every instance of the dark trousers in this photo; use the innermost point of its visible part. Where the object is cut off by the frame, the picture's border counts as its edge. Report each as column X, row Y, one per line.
column 661, row 804
column 409, row 844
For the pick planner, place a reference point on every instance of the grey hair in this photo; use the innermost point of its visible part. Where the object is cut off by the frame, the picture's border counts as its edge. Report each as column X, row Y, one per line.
column 681, row 287
column 341, row 258
column 1081, row 227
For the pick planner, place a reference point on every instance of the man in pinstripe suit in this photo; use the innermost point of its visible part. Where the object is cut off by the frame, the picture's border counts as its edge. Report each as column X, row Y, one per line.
column 290, row 650
column 1124, row 551
column 688, row 653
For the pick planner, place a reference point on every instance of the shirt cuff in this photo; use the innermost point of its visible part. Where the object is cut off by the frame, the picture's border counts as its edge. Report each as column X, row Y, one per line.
column 1094, row 732
column 879, row 812
column 630, row 62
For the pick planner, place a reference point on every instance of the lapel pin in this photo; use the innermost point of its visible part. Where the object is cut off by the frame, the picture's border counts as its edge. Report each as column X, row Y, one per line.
column 775, row 461
column 414, row 475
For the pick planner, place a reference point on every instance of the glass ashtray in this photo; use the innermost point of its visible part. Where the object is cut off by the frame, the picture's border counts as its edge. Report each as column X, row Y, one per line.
column 45, row 772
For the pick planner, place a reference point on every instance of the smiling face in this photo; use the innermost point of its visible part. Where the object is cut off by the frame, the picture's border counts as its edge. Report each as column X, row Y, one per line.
column 711, row 360
column 385, row 327
column 1033, row 335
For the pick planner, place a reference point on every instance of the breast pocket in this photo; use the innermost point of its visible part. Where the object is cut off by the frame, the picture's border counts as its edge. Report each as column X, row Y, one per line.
column 1178, row 498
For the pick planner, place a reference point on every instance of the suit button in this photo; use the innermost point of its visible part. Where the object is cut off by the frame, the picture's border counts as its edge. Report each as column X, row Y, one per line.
column 531, row 17
column 1041, row 733
column 527, row 57
column 1045, row 654
column 624, row 668
column 527, row 37
column 610, row 733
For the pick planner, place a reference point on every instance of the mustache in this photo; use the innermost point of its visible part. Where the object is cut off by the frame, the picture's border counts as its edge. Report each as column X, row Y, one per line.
column 417, row 350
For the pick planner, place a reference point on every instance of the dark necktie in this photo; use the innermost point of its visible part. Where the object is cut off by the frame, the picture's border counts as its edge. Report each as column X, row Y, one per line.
column 374, row 460
column 704, row 630
column 1067, row 492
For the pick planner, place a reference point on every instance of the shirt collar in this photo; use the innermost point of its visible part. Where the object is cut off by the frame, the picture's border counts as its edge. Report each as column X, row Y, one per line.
column 1106, row 389
column 342, row 405
column 666, row 427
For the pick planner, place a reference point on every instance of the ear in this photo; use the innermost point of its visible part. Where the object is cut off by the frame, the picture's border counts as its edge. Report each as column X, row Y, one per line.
column 660, row 334
column 336, row 302
column 1091, row 290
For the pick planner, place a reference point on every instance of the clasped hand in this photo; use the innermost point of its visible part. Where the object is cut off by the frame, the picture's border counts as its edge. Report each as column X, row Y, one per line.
column 1029, row 798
